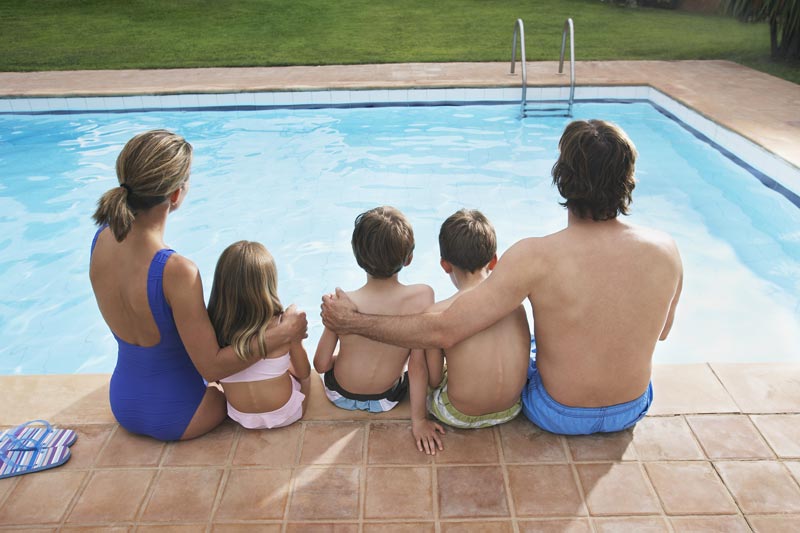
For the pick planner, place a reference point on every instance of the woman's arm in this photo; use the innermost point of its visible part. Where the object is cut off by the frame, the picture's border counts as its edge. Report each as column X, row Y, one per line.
column 298, row 361
column 183, row 290
column 323, row 358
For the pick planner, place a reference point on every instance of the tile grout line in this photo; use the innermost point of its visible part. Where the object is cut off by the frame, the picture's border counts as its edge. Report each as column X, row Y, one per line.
column 748, row 522
column 151, row 487
column 362, row 475
column 762, row 437
column 14, row 483
column 294, row 467
column 148, row 495
column 165, row 451
column 729, row 458
column 512, row 509
column 722, row 383
column 223, row 483
column 730, row 492
column 739, row 511
column 791, row 475
column 655, row 493
column 88, row 477
column 433, row 465
column 577, row 479
column 651, row 485
column 114, row 428
column 695, row 438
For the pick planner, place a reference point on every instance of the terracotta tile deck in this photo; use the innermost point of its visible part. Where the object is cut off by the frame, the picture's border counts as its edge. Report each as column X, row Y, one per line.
column 698, row 470
column 718, row 452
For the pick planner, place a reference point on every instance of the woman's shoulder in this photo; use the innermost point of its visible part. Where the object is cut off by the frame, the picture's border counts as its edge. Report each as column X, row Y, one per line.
column 180, row 269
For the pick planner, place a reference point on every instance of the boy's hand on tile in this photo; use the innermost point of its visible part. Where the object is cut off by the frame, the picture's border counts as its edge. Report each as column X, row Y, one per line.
column 426, row 437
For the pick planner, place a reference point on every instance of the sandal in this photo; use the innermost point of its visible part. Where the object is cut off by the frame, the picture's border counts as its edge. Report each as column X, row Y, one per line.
column 18, row 462
column 38, row 434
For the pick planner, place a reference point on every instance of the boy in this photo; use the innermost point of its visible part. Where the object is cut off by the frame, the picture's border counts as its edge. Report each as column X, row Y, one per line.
column 366, row 374
column 485, row 373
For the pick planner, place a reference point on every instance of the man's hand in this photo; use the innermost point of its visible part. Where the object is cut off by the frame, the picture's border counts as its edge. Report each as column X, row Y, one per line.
column 296, row 322
column 425, row 436
column 338, row 311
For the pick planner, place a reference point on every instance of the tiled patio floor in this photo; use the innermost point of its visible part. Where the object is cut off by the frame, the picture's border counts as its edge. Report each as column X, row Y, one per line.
column 719, row 451
column 724, row 468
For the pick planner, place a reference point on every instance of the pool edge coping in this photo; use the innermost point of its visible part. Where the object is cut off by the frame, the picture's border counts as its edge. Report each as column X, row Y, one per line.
column 774, row 124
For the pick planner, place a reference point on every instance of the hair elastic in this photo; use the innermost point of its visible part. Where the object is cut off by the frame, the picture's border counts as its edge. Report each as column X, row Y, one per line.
column 126, row 187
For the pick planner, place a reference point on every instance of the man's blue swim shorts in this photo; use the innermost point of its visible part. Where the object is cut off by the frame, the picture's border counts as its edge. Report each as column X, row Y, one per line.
column 548, row 414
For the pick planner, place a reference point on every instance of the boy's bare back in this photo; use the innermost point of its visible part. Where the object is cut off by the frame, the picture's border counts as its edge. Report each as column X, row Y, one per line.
column 364, row 366
column 383, row 244
column 487, row 371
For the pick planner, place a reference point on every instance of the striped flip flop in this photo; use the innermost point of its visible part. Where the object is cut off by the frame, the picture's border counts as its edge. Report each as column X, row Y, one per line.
column 38, row 434
column 18, row 462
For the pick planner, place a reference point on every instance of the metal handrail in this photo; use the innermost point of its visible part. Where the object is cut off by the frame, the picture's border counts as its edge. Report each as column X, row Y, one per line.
column 520, row 28
column 568, row 25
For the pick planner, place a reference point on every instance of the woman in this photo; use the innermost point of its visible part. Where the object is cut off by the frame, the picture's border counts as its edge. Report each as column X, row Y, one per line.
column 152, row 299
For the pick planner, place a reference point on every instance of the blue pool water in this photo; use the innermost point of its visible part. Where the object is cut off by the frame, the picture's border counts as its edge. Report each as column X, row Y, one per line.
column 295, row 179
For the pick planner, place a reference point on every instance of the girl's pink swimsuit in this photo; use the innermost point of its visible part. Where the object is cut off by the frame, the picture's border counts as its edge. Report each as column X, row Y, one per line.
column 290, row 412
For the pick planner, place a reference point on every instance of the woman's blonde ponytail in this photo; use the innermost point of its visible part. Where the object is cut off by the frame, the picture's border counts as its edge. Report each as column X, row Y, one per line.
column 150, row 167
column 113, row 209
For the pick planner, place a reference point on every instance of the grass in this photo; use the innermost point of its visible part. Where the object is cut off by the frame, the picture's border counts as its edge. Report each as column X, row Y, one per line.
column 118, row 34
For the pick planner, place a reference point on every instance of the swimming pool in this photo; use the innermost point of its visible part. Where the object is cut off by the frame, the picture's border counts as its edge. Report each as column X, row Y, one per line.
column 295, row 179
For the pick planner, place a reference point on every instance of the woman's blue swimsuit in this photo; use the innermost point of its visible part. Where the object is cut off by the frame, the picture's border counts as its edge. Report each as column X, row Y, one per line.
column 156, row 390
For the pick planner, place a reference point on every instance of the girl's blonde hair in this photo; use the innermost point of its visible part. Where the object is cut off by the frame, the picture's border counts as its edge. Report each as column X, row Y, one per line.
column 150, row 167
column 244, row 297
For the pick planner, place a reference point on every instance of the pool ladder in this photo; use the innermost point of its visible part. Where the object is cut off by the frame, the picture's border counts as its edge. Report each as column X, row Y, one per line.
column 559, row 108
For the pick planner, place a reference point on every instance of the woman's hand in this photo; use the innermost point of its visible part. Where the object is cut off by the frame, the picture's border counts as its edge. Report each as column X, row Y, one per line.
column 296, row 322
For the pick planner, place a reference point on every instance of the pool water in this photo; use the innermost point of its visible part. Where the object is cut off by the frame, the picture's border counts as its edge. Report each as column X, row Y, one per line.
column 294, row 179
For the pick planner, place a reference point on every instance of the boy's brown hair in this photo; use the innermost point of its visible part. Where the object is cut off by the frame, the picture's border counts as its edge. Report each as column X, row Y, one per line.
column 383, row 241
column 594, row 171
column 467, row 240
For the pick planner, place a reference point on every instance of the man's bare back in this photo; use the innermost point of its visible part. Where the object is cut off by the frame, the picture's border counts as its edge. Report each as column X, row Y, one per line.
column 602, row 293
column 367, row 374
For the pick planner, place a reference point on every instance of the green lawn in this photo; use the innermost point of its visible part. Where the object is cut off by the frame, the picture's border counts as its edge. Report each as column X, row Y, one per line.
column 99, row 34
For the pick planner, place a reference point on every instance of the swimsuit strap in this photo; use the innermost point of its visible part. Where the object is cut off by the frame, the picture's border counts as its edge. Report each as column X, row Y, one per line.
column 96, row 235
column 162, row 313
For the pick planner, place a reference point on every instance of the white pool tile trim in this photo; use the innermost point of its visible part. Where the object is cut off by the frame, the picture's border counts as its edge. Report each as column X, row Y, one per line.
column 754, row 155
column 751, row 153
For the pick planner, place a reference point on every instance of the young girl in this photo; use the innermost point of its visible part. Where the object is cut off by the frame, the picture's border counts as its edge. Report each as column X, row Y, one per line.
column 243, row 305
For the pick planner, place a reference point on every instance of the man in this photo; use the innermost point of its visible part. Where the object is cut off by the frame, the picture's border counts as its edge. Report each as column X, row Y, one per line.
column 602, row 291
